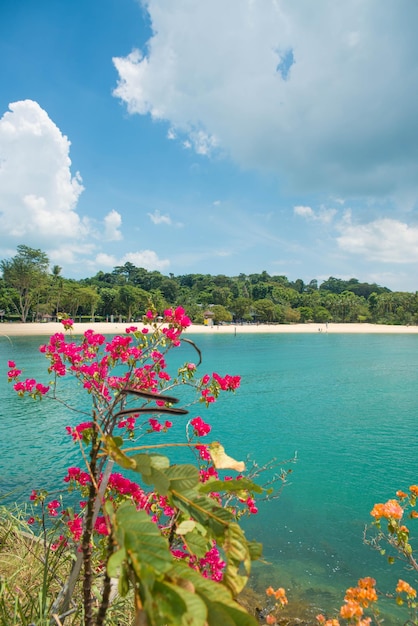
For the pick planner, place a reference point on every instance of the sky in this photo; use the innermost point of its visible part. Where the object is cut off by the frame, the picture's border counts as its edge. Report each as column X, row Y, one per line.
column 212, row 136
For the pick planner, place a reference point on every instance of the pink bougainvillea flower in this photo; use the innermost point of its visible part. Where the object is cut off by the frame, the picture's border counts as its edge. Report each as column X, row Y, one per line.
column 13, row 373
column 204, row 452
column 75, row 526
column 67, row 323
column 77, row 475
column 227, row 383
column 42, row 389
column 77, row 432
column 201, row 429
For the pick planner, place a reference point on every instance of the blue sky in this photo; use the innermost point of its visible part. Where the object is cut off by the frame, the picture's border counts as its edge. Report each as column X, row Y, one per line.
column 204, row 136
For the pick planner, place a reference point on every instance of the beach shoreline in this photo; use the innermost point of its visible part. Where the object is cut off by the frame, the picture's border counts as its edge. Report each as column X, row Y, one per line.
column 113, row 328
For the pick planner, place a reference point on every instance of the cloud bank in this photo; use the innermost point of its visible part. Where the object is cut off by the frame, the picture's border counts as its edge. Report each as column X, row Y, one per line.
column 322, row 94
column 39, row 196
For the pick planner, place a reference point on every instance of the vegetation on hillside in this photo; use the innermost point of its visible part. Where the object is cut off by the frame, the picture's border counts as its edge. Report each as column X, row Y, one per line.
column 32, row 291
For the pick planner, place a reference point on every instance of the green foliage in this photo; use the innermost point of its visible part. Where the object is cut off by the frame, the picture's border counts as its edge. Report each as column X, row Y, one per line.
column 169, row 592
column 25, row 275
column 212, row 522
column 128, row 290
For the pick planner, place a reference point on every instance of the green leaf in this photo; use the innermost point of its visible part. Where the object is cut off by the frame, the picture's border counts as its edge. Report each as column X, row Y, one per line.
column 142, row 540
column 238, row 617
column 236, row 544
column 237, row 554
column 183, row 477
column 143, row 464
column 159, row 461
column 202, row 509
column 178, row 605
column 213, row 593
column 165, row 605
column 185, row 527
column 196, row 544
column 116, row 453
column 159, row 480
column 123, row 582
column 217, row 615
column 255, row 549
column 115, row 561
column 230, row 486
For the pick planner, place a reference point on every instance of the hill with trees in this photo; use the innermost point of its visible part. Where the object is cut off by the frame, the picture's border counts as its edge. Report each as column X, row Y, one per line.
column 32, row 291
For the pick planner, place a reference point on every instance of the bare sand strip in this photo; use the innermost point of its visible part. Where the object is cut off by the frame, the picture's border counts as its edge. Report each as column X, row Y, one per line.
column 111, row 328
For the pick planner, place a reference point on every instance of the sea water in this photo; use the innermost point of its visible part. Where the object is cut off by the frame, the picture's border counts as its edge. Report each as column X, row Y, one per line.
column 345, row 405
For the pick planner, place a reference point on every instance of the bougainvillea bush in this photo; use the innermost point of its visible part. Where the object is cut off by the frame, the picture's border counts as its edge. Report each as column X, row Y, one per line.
column 167, row 533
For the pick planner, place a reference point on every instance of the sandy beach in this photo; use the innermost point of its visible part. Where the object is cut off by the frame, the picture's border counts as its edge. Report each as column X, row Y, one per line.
column 49, row 328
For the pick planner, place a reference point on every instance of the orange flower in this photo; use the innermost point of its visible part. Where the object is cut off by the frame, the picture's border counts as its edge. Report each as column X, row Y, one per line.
column 414, row 489
column 270, row 619
column 401, row 494
column 390, row 510
column 320, row 618
column 404, row 587
column 413, row 514
column 378, row 511
column 367, row 581
column 351, row 609
column 279, row 594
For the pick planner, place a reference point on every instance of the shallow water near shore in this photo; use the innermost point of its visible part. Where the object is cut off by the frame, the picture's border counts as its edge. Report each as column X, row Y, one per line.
column 346, row 404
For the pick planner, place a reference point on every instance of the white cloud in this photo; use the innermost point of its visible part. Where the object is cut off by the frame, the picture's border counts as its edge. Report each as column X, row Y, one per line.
column 157, row 218
column 104, row 260
column 71, row 254
column 304, row 211
column 323, row 94
column 38, row 193
column 148, row 259
column 385, row 240
column 112, row 222
column 324, row 215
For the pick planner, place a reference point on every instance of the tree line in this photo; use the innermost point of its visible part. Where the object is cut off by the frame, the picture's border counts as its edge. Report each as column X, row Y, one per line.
column 30, row 290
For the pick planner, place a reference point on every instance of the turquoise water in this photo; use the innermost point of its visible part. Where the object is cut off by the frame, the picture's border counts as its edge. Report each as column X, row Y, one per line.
column 346, row 404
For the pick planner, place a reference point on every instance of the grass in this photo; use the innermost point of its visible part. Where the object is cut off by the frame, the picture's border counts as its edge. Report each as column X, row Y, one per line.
column 31, row 576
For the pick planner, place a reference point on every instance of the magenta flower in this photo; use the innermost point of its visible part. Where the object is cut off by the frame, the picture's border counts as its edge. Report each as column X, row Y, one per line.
column 68, row 324
column 204, row 452
column 13, row 373
column 201, row 429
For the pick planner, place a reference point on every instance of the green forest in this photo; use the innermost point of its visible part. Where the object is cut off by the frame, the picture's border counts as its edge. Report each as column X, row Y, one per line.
column 30, row 290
